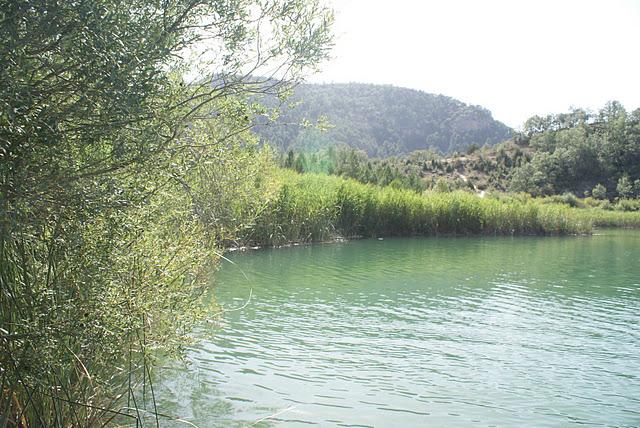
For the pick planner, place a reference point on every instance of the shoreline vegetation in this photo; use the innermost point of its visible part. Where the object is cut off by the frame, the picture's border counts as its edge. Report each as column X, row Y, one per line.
column 128, row 161
column 308, row 207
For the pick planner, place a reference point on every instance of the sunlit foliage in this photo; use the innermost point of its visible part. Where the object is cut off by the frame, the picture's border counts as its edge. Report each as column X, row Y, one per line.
column 124, row 163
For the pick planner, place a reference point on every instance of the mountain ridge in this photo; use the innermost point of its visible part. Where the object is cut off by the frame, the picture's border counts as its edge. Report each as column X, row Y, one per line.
column 382, row 120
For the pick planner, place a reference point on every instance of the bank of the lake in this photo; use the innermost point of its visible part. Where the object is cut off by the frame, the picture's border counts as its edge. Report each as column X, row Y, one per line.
column 476, row 331
column 317, row 207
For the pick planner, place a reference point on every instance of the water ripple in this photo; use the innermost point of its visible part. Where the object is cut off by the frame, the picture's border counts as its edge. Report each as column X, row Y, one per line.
column 416, row 332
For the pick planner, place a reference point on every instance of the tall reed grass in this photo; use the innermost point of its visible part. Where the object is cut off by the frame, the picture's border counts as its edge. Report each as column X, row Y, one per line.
column 607, row 218
column 313, row 207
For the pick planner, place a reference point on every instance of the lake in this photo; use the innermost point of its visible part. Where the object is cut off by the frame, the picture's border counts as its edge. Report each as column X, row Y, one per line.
column 526, row 331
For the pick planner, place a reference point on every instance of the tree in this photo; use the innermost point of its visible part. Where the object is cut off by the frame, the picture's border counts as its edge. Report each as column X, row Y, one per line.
column 473, row 148
column 300, row 164
column 112, row 77
column 288, row 163
column 106, row 221
column 625, row 187
column 599, row 192
column 575, row 149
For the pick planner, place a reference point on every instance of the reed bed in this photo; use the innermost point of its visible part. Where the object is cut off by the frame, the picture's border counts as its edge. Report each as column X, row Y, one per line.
column 315, row 207
column 607, row 218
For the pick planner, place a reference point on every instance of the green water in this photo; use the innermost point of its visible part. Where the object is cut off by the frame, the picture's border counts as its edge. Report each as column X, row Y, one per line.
column 420, row 332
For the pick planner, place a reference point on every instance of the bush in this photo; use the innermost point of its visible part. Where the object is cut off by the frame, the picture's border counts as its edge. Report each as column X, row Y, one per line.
column 599, row 192
column 627, row 205
column 566, row 198
column 625, row 187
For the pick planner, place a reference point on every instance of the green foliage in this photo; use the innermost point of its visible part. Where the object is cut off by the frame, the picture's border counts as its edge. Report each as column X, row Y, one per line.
column 443, row 185
column 538, row 125
column 575, row 151
column 311, row 207
column 114, row 194
column 608, row 218
column 380, row 120
column 557, row 154
column 528, row 179
column 627, row 205
column 625, row 187
column 566, row 198
column 599, row 192
column 300, row 163
column 347, row 162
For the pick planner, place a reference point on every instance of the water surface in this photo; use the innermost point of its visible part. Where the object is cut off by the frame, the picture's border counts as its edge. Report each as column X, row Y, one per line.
column 420, row 332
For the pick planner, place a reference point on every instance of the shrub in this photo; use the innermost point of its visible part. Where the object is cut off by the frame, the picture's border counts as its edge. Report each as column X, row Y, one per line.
column 627, row 205
column 599, row 192
column 624, row 187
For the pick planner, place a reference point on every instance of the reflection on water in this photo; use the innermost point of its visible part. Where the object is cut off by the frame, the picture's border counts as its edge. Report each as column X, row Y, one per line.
column 421, row 332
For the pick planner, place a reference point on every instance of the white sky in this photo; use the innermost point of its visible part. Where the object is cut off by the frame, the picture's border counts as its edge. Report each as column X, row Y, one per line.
column 517, row 58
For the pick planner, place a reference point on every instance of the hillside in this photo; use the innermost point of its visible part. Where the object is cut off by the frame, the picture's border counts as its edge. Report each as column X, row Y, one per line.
column 381, row 120
column 578, row 152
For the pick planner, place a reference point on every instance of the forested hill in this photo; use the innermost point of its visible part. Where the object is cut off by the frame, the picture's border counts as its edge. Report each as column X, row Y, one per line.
column 381, row 120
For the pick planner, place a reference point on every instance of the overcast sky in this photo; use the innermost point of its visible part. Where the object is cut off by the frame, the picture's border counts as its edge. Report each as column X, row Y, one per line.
column 517, row 58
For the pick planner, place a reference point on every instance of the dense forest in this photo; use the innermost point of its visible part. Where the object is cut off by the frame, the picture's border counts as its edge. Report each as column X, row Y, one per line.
column 380, row 120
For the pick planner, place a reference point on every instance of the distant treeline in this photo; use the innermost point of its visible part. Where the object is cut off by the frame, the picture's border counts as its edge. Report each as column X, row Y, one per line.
column 418, row 171
column 596, row 155
column 593, row 154
column 380, row 120
column 348, row 162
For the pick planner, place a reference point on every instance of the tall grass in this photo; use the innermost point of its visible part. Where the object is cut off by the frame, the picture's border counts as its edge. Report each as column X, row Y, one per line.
column 606, row 218
column 84, row 311
column 312, row 207
column 624, row 213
